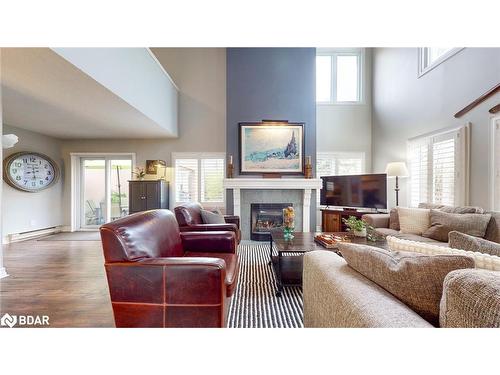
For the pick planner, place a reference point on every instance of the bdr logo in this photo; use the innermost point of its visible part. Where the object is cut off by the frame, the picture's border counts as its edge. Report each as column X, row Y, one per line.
column 24, row 320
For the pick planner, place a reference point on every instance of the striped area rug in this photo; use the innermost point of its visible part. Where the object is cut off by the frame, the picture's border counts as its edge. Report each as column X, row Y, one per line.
column 254, row 304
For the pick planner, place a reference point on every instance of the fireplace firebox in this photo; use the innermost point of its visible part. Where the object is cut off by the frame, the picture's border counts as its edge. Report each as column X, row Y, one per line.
column 264, row 217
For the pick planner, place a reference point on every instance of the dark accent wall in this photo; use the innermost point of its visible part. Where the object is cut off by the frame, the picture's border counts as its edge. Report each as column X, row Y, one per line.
column 274, row 84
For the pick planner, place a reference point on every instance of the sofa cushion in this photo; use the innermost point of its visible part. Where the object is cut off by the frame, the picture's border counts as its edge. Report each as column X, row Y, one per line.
column 466, row 242
column 408, row 236
column 394, row 219
column 231, row 267
column 209, row 217
column 493, row 229
column 415, row 279
column 452, row 209
column 443, row 223
column 481, row 260
column 471, row 299
column 413, row 220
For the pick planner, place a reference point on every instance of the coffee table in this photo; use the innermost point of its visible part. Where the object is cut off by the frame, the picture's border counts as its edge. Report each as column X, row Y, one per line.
column 288, row 262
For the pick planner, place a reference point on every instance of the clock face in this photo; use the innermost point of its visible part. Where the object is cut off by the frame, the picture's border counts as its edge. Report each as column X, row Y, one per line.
column 30, row 171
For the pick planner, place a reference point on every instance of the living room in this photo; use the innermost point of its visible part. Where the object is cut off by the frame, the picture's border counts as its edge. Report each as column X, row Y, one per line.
column 307, row 186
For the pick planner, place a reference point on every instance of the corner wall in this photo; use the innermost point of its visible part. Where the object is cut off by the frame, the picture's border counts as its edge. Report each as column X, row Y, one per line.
column 405, row 106
column 275, row 84
column 22, row 211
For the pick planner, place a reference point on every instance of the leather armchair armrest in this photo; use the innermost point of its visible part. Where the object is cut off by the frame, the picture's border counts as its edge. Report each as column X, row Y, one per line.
column 231, row 219
column 168, row 292
column 377, row 220
column 211, row 242
column 209, row 227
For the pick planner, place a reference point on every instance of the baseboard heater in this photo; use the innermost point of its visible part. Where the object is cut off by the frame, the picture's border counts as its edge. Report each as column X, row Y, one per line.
column 16, row 237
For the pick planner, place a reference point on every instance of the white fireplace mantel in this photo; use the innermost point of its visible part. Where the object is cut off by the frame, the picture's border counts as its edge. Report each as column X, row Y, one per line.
column 304, row 184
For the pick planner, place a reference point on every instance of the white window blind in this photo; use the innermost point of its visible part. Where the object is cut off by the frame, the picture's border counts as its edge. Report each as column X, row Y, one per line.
column 212, row 174
column 438, row 166
column 496, row 166
column 198, row 178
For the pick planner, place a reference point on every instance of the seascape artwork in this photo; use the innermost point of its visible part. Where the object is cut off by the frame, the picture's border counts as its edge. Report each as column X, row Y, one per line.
column 271, row 148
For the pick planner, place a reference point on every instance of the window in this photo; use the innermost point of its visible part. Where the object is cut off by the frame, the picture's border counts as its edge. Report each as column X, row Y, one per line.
column 430, row 57
column 338, row 77
column 495, row 171
column 438, row 166
column 198, row 178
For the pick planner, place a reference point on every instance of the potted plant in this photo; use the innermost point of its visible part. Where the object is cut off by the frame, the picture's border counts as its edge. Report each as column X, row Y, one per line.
column 357, row 226
column 139, row 173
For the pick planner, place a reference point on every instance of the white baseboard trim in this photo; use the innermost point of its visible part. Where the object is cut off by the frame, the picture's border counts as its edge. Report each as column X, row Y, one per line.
column 66, row 228
column 18, row 237
column 3, row 273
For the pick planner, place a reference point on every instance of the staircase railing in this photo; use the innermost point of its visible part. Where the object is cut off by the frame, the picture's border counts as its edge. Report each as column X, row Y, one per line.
column 479, row 100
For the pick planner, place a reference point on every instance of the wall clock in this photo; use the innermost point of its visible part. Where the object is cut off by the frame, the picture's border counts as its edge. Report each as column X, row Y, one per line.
column 30, row 171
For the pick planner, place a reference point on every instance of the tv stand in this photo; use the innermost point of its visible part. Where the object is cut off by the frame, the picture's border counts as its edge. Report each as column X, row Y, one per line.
column 331, row 218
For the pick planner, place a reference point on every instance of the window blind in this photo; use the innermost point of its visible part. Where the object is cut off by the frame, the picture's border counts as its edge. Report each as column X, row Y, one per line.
column 438, row 166
column 496, row 166
column 212, row 174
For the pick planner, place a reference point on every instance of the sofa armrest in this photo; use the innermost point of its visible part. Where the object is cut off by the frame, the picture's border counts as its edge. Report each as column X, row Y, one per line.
column 231, row 219
column 458, row 240
column 212, row 242
column 471, row 299
column 208, row 227
column 168, row 292
column 337, row 296
column 377, row 220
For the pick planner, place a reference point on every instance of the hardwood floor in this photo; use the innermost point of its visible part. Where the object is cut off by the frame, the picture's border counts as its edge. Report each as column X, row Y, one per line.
column 62, row 279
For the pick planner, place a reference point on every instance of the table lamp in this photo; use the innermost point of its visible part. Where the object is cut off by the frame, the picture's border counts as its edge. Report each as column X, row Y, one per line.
column 397, row 169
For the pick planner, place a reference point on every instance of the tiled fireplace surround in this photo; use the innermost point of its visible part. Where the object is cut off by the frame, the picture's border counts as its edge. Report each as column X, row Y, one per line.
column 297, row 191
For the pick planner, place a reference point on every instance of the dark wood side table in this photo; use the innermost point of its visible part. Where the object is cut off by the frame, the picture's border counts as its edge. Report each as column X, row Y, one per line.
column 288, row 263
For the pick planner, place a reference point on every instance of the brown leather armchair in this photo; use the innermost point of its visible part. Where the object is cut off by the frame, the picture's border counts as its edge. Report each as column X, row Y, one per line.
column 189, row 218
column 159, row 277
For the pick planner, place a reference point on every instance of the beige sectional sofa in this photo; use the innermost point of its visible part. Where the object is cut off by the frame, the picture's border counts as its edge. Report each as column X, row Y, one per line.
column 335, row 295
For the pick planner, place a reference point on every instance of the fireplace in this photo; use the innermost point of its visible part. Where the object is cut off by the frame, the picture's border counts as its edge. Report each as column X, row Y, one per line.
column 264, row 217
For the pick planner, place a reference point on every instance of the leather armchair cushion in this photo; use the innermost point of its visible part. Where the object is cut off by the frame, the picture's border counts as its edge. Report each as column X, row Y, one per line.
column 188, row 214
column 232, row 267
column 212, row 242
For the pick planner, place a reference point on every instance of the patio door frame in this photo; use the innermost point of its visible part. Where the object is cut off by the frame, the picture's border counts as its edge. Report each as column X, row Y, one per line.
column 77, row 202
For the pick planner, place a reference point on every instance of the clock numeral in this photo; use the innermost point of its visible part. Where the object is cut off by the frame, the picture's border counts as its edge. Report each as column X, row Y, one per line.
column 26, row 182
column 47, row 178
column 18, row 178
column 41, row 182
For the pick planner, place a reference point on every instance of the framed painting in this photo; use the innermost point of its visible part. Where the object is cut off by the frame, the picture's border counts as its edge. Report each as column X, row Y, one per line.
column 271, row 147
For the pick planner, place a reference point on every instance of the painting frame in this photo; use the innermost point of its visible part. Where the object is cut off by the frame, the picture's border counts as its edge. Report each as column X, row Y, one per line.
column 245, row 167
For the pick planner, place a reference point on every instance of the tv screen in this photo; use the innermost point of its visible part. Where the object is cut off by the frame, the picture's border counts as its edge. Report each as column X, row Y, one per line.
column 366, row 190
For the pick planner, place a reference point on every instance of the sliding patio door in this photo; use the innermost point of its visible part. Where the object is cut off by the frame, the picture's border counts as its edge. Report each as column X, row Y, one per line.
column 103, row 189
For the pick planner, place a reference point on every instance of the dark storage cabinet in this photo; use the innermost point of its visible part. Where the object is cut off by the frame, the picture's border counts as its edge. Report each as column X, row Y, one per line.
column 147, row 195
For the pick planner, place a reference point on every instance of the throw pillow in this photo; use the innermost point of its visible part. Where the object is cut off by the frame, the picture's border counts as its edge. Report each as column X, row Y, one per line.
column 415, row 279
column 212, row 218
column 451, row 209
column 394, row 219
column 443, row 223
column 466, row 242
column 413, row 220
column 481, row 260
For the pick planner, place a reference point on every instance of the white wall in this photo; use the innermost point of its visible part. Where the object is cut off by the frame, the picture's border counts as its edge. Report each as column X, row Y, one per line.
column 348, row 127
column 3, row 273
column 134, row 75
column 406, row 106
column 22, row 211
column 200, row 74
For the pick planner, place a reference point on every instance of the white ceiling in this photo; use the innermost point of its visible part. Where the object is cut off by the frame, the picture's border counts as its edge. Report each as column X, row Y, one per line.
column 43, row 92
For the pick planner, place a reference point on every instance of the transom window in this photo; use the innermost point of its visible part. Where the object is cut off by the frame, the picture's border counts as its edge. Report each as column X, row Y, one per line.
column 339, row 76
column 198, row 178
column 430, row 57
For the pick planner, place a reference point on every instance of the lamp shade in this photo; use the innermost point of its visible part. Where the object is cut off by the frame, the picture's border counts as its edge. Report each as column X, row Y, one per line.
column 9, row 140
column 397, row 168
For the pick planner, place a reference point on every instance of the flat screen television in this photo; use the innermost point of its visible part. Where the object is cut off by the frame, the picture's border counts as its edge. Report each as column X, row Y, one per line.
column 359, row 191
